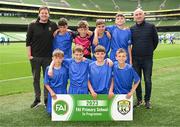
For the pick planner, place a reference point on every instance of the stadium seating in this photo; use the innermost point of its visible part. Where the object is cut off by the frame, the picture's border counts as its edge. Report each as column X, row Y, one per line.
column 15, row 1
column 106, row 5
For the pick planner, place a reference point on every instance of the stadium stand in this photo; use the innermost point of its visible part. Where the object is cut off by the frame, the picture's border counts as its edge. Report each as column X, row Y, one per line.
column 57, row 3
column 15, row 1
column 105, row 5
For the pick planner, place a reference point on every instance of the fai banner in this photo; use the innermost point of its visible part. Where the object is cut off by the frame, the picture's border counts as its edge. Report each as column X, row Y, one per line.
column 84, row 108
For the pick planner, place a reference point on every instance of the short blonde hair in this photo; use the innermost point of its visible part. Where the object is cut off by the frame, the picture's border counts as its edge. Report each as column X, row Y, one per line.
column 120, row 15
column 58, row 52
column 78, row 48
column 121, row 50
column 100, row 21
column 83, row 24
column 100, row 48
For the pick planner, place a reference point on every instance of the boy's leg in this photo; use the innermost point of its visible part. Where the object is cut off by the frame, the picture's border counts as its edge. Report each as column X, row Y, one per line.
column 45, row 62
column 36, row 70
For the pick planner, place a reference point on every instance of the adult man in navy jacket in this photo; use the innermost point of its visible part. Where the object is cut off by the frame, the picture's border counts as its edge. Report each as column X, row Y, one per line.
column 144, row 42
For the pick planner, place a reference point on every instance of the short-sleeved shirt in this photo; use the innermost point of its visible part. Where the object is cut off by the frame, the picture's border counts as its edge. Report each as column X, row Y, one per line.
column 124, row 78
column 120, row 38
column 85, row 42
column 78, row 73
column 64, row 43
column 100, row 77
column 59, row 78
column 103, row 41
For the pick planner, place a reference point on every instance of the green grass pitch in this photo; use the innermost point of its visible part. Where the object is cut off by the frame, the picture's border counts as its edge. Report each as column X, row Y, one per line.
column 16, row 92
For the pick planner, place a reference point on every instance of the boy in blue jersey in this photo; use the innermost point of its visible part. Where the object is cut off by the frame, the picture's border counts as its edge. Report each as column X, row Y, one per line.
column 120, row 38
column 99, row 73
column 57, row 83
column 124, row 76
column 63, row 38
column 78, row 71
column 101, row 37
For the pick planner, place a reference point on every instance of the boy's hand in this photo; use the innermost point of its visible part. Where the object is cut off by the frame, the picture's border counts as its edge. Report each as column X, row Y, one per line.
column 50, row 72
column 94, row 95
column 110, row 95
column 128, row 96
column 109, row 62
column 55, row 32
column 30, row 57
column 108, row 34
column 53, row 95
column 89, row 33
column 96, row 31
column 84, row 59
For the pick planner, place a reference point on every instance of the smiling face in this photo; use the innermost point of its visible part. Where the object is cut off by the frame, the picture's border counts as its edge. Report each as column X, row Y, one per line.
column 138, row 16
column 63, row 29
column 78, row 56
column 100, row 56
column 121, row 58
column 58, row 59
column 101, row 28
column 120, row 20
column 82, row 31
column 44, row 15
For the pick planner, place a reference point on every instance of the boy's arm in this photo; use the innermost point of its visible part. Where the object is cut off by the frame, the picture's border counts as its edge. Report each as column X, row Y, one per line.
column 111, row 93
column 109, row 62
column 95, row 39
column 50, row 71
column 93, row 93
column 132, row 90
column 130, row 54
column 52, row 93
column 108, row 34
column 89, row 33
column 55, row 32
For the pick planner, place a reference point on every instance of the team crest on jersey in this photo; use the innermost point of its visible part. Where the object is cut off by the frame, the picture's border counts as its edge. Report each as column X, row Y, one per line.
column 124, row 106
column 49, row 28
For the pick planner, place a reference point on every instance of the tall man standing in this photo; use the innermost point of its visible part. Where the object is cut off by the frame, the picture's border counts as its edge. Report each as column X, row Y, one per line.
column 144, row 42
column 39, row 49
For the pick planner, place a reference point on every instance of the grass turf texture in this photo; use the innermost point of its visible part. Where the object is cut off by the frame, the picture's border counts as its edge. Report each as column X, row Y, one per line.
column 16, row 92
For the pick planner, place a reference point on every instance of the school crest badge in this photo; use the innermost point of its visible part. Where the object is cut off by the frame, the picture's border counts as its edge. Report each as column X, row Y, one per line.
column 124, row 106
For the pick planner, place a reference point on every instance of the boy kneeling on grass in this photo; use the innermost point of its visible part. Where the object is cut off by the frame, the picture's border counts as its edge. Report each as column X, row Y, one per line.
column 57, row 83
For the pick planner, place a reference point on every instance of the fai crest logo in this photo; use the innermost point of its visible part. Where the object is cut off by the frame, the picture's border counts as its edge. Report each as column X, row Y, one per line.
column 60, row 107
column 124, row 106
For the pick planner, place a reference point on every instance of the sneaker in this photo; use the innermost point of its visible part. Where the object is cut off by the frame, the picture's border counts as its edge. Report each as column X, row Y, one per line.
column 138, row 104
column 148, row 105
column 36, row 103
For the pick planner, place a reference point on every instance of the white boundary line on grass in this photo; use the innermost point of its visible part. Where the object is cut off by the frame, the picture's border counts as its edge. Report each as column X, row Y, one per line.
column 14, row 79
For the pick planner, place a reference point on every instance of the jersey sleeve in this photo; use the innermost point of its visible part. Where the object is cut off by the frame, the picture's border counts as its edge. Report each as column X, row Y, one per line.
column 129, row 37
column 110, row 29
column 66, row 62
column 73, row 34
column 46, row 77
